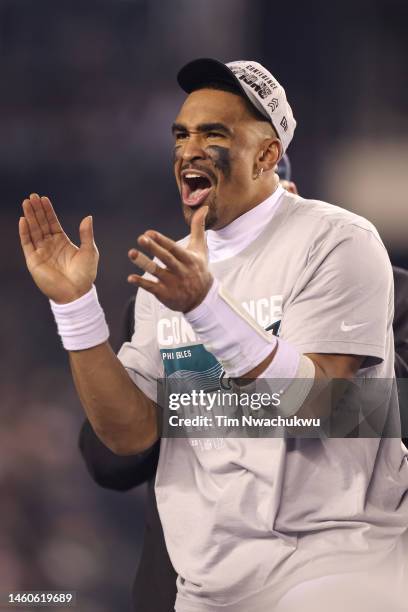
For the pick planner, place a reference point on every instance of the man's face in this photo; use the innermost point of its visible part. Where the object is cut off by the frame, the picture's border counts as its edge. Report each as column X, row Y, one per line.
column 217, row 142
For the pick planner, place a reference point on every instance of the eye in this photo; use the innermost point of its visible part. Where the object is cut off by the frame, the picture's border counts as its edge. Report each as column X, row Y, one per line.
column 180, row 136
column 215, row 135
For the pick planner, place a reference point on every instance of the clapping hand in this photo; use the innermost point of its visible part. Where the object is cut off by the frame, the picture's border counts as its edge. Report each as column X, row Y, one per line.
column 60, row 269
column 185, row 279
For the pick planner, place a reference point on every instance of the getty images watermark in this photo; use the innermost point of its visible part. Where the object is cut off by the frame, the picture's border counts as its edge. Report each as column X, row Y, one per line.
column 201, row 410
column 358, row 408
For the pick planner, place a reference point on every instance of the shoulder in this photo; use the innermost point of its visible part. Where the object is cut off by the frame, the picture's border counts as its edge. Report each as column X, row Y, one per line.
column 322, row 228
column 326, row 217
column 336, row 243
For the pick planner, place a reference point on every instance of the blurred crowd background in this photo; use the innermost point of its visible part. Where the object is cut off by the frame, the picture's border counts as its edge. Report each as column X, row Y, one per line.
column 88, row 94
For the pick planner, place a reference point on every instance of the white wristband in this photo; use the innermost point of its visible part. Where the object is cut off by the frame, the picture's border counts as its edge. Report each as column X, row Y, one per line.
column 229, row 332
column 81, row 323
column 289, row 374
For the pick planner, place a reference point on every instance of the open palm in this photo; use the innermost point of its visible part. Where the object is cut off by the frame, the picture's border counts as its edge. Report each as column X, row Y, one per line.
column 60, row 269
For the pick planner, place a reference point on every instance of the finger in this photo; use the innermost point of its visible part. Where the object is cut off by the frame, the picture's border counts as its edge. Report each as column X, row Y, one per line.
column 86, row 234
column 197, row 230
column 33, row 225
column 161, row 253
column 25, row 238
column 40, row 214
column 172, row 247
column 145, row 263
column 150, row 286
column 54, row 224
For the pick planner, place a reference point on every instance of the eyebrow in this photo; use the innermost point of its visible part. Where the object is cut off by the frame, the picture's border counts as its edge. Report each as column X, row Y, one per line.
column 203, row 127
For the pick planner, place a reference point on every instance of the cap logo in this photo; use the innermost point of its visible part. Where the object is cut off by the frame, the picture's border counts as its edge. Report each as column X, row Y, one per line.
column 265, row 77
column 257, row 80
column 273, row 104
column 284, row 123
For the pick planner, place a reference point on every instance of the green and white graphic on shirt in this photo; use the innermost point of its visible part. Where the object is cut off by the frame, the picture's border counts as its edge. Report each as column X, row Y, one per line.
column 194, row 365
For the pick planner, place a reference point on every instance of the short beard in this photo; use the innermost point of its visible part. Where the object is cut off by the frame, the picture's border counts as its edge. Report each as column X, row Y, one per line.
column 210, row 220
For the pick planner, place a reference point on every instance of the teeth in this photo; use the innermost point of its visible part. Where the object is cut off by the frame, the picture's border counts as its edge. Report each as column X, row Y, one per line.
column 192, row 175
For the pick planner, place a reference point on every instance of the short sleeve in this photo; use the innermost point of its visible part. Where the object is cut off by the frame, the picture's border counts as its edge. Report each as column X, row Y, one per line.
column 343, row 303
column 141, row 356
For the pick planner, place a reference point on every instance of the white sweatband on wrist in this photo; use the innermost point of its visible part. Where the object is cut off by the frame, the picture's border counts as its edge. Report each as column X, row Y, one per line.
column 229, row 332
column 290, row 375
column 81, row 323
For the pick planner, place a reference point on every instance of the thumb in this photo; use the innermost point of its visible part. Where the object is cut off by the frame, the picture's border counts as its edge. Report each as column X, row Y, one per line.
column 197, row 230
column 86, row 233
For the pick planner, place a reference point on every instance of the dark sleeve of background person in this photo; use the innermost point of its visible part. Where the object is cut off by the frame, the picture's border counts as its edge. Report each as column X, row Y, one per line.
column 154, row 588
column 113, row 471
column 400, row 326
column 107, row 469
column 401, row 322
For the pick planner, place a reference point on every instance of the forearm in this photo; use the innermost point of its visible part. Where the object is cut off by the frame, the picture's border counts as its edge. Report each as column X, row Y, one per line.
column 123, row 417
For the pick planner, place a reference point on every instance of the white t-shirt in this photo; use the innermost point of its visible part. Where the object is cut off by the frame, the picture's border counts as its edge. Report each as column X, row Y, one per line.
column 247, row 519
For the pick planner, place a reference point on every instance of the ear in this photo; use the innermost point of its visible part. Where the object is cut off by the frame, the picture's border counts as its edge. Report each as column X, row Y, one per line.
column 269, row 153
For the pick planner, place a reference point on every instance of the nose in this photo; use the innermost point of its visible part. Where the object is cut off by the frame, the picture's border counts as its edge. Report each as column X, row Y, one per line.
column 193, row 148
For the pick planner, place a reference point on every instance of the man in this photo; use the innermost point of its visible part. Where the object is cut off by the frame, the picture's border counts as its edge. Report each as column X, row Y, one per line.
column 248, row 523
column 155, row 583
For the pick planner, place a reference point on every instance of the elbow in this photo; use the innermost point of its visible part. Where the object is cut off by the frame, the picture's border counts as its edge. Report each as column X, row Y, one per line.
column 125, row 445
column 133, row 433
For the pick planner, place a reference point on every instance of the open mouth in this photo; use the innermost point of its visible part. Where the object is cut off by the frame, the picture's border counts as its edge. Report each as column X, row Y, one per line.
column 195, row 188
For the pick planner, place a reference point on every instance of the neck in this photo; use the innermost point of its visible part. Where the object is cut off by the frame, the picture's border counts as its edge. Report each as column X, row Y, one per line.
column 232, row 238
column 266, row 188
